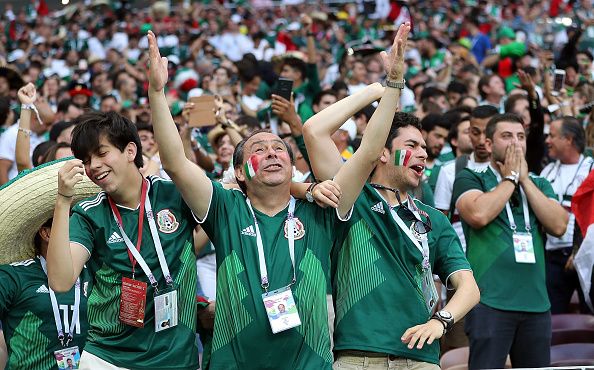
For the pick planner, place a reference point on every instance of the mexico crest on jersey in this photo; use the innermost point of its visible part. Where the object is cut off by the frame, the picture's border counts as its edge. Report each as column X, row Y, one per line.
column 167, row 221
column 299, row 229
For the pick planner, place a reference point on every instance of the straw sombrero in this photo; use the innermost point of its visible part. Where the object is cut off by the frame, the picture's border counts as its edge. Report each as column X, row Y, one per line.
column 26, row 203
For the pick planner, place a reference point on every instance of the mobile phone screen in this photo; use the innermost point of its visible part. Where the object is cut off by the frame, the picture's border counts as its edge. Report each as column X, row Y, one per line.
column 284, row 87
column 559, row 80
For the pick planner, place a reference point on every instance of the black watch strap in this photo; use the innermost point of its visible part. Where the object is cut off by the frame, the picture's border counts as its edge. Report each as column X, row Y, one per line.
column 442, row 321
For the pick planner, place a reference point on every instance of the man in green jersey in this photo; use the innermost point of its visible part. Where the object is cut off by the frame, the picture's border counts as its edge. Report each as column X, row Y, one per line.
column 136, row 238
column 268, row 254
column 504, row 210
column 385, row 256
column 43, row 329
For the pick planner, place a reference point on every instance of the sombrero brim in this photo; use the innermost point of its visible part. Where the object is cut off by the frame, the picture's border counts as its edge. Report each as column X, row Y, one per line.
column 26, row 203
column 14, row 79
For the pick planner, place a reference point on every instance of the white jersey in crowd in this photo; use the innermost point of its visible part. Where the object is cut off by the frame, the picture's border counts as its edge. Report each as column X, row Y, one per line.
column 445, row 186
column 8, row 146
column 566, row 179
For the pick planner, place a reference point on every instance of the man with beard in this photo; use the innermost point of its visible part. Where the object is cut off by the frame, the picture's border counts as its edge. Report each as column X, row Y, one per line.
column 503, row 208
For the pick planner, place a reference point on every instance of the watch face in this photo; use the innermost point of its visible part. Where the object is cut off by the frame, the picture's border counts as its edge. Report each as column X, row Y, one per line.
column 445, row 314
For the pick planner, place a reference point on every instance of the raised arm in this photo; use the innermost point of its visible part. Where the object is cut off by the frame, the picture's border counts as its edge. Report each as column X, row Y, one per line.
column 549, row 212
column 65, row 260
column 27, row 96
column 190, row 179
column 317, row 132
column 354, row 173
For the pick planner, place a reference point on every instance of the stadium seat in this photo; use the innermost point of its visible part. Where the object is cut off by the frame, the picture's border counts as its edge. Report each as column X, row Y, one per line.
column 457, row 359
column 572, row 354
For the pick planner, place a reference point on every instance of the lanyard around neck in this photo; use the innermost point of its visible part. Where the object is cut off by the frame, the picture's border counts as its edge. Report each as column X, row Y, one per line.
column 290, row 235
column 508, row 211
column 146, row 203
column 558, row 165
column 423, row 247
column 56, row 309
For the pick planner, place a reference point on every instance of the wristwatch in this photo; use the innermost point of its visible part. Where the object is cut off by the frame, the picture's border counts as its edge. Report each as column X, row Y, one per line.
column 396, row 85
column 309, row 193
column 514, row 177
column 446, row 318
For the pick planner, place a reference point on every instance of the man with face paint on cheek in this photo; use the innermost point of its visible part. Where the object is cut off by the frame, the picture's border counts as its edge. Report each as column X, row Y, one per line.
column 385, row 256
column 270, row 248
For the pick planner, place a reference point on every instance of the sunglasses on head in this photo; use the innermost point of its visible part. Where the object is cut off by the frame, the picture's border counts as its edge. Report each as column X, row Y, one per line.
column 419, row 226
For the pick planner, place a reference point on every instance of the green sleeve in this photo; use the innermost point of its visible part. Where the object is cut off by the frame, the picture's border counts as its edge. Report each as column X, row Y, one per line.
column 303, row 149
column 81, row 229
column 222, row 203
column 313, row 80
column 264, row 113
column 545, row 186
column 465, row 180
column 449, row 256
column 305, row 111
column 428, row 198
column 432, row 181
column 9, row 288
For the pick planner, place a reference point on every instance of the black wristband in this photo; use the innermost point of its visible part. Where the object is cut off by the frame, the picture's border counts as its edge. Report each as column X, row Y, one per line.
column 445, row 325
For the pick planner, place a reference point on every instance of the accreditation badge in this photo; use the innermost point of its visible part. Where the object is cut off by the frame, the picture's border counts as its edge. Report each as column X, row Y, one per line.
column 67, row 358
column 165, row 310
column 133, row 302
column 429, row 290
column 281, row 309
column 523, row 248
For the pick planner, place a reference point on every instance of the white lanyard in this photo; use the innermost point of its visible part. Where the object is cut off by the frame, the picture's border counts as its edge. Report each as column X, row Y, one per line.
column 156, row 241
column 291, row 236
column 56, row 309
column 557, row 165
column 423, row 247
column 510, row 216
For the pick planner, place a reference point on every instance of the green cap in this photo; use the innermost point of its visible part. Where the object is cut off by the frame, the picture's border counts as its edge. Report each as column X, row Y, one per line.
column 465, row 41
column 176, row 108
column 506, row 32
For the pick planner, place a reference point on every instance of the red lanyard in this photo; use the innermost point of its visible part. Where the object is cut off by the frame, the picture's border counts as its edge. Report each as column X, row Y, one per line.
column 116, row 212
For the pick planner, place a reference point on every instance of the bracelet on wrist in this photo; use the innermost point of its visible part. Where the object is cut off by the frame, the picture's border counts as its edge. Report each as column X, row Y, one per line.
column 395, row 84
column 25, row 131
column 65, row 196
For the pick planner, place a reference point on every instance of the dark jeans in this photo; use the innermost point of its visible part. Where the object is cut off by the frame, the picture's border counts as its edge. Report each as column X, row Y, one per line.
column 493, row 334
column 561, row 284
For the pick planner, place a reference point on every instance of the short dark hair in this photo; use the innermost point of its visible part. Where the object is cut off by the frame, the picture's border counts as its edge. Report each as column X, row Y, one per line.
column 401, row 120
column 512, row 100
column 108, row 96
column 40, row 152
column 64, row 104
column 50, row 155
column 118, row 130
column 572, row 128
column 238, row 154
column 432, row 120
column 484, row 111
column 457, row 87
column 505, row 117
column 318, row 97
column 484, row 81
column 297, row 64
column 587, row 54
column 431, row 92
column 4, row 109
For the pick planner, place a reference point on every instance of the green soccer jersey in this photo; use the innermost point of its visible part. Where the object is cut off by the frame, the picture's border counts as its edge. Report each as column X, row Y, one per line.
column 243, row 338
column 504, row 283
column 28, row 318
column 377, row 274
column 92, row 225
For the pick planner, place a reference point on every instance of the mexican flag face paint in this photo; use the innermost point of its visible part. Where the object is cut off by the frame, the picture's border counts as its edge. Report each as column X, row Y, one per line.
column 402, row 157
column 251, row 167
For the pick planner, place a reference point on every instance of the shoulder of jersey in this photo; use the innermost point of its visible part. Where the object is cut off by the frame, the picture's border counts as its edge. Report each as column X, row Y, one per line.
column 479, row 170
column 92, row 202
column 27, row 262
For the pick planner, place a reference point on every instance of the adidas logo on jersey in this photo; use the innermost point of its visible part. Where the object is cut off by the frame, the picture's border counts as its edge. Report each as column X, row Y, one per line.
column 115, row 238
column 379, row 207
column 42, row 289
column 249, row 231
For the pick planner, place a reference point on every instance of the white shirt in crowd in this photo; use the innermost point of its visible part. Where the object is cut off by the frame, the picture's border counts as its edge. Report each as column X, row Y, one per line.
column 233, row 45
column 8, row 146
column 445, row 186
column 565, row 180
